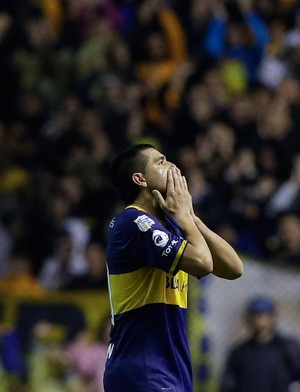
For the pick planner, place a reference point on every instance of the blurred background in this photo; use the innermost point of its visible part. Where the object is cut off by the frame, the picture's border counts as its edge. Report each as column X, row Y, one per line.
column 215, row 85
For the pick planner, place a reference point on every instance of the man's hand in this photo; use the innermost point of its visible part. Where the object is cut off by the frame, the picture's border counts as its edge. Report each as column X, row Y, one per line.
column 178, row 201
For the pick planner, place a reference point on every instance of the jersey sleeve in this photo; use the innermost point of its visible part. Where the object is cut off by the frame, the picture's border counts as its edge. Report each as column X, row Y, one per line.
column 152, row 242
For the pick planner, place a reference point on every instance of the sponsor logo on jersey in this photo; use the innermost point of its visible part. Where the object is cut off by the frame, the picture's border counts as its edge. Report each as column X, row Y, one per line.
column 144, row 222
column 160, row 238
column 112, row 223
column 169, row 248
column 176, row 284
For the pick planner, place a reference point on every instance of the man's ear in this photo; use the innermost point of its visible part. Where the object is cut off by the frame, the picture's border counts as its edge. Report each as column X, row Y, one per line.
column 139, row 179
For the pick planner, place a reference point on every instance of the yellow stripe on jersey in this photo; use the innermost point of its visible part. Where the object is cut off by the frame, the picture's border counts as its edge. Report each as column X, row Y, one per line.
column 136, row 207
column 177, row 258
column 147, row 285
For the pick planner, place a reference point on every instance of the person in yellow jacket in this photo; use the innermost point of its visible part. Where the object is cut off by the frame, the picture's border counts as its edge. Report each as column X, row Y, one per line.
column 19, row 281
column 166, row 49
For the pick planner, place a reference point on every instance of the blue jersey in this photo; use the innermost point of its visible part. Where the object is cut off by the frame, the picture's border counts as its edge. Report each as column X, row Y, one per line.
column 148, row 351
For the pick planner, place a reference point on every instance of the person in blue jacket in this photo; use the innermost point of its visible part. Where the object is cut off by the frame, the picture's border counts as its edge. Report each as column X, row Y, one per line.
column 239, row 34
column 11, row 358
column 268, row 361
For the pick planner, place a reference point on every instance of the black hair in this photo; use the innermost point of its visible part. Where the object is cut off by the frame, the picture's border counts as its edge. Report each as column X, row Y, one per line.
column 123, row 166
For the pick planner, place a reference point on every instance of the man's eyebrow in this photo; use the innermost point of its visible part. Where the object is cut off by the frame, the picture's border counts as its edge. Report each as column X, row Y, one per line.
column 159, row 158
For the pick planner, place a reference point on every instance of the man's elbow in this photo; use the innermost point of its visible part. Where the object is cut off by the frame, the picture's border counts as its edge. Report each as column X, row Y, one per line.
column 235, row 272
column 234, row 275
column 239, row 269
column 196, row 262
column 205, row 265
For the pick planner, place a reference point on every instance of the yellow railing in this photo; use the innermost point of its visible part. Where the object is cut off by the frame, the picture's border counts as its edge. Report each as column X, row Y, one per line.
column 93, row 304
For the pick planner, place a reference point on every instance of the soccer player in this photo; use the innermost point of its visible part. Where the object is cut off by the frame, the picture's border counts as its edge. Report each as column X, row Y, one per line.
column 153, row 245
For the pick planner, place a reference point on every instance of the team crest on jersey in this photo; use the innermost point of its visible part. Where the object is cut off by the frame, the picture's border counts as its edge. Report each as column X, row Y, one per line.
column 144, row 222
column 160, row 238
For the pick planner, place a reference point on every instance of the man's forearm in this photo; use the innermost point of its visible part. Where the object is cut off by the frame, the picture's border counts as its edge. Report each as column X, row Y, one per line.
column 192, row 233
column 226, row 262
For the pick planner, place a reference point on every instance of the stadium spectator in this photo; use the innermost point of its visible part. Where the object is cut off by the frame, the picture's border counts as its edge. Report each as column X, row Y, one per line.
column 284, row 244
column 95, row 276
column 162, row 47
column 12, row 360
column 19, row 279
column 286, row 197
column 79, row 363
column 58, row 270
column 237, row 31
column 43, row 373
column 268, row 360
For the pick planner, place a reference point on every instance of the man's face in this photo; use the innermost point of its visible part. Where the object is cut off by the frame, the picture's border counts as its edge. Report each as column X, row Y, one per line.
column 156, row 170
column 261, row 322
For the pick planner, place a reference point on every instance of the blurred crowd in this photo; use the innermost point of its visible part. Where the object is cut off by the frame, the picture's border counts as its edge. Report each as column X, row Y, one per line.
column 214, row 85
column 53, row 362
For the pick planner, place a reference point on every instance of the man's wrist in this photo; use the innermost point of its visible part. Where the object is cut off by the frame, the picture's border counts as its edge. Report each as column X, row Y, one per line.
column 183, row 220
